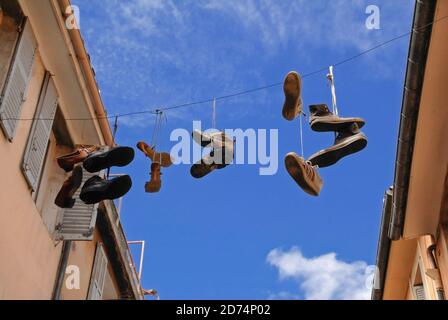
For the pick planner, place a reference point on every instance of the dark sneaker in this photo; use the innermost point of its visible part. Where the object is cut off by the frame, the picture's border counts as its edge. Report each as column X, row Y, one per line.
column 64, row 199
column 304, row 173
column 163, row 158
column 107, row 158
column 292, row 88
column 156, row 183
column 323, row 120
column 97, row 189
column 347, row 142
column 67, row 162
column 203, row 167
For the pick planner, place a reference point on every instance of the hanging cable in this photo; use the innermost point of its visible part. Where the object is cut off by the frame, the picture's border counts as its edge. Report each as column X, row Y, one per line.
column 301, row 134
column 214, row 114
column 244, row 92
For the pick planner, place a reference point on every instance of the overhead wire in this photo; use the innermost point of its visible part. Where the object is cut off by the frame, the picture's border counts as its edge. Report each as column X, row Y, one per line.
column 155, row 111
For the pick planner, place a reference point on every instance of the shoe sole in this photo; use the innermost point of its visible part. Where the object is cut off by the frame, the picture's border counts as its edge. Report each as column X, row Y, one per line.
column 291, row 107
column 200, row 170
column 295, row 169
column 324, row 124
column 151, row 188
column 117, row 157
column 115, row 189
column 330, row 156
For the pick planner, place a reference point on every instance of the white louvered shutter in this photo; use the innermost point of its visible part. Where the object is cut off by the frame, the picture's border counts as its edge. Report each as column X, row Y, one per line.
column 40, row 133
column 98, row 276
column 78, row 223
column 15, row 90
column 419, row 292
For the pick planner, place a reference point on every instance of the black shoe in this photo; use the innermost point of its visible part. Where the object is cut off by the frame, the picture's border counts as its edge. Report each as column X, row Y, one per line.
column 96, row 189
column 322, row 120
column 103, row 159
column 349, row 141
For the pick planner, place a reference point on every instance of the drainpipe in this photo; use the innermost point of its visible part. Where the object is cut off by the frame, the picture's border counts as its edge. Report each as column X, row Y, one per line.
column 418, row 54
column 63, row 261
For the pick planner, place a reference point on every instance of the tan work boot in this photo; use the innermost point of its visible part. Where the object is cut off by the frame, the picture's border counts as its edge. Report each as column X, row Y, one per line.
column 304, row 174
column 161, row 157
column 156, row 183
column 293, row 96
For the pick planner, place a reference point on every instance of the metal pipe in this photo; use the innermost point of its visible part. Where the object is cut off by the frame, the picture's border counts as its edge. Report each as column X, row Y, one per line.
column 142, row 254
column 63, row 261
column 415, row 73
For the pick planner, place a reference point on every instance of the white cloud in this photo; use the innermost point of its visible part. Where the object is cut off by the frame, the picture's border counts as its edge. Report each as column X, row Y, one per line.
column 323, row 277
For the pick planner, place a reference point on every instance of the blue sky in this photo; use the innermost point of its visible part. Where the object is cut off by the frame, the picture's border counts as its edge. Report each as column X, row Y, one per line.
column 235, row 234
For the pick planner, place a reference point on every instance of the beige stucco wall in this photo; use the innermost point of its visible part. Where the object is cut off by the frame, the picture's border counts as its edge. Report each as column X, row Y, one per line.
column 29, row 257
column 82, row 255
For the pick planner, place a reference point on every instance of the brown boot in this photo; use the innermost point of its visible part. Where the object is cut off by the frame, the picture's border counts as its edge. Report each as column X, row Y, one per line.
column 64, row 199
column 156, row 183
column 68, row 161
column 163, row 158
column 304, row 174
column 323, row 120
column 348, row 141
column 293, row 96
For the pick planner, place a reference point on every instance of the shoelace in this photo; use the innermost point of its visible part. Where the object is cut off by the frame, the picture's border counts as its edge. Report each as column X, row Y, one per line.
column 310, row 170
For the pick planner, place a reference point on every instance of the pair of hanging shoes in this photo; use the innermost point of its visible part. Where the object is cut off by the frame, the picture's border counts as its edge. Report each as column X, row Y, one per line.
column 93, row 159
column 303, row 172
column 159, row 159
column 349, row 138
column 220, row 157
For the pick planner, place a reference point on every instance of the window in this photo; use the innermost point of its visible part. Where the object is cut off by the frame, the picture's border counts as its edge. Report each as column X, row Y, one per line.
column 98, row 276
column 17, row 55
column 11, row 20
column 40, row 133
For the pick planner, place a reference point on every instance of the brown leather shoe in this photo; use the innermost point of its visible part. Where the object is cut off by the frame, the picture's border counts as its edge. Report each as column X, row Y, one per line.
column 293, row 96
column 347, row 142
column 64, row 199
column 163, row 158
column 156, row 183
column 67, row 162
column 323, row 120
column 304, row 174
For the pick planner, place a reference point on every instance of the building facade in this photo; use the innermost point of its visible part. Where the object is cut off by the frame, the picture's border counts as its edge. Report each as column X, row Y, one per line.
column 412, row 257
column 49, row 103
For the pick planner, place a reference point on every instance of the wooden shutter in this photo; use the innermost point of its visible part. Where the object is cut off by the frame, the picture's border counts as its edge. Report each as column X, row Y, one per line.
column 78, row 223
column 98, row 276
column 40, row 133
column 17, row 83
